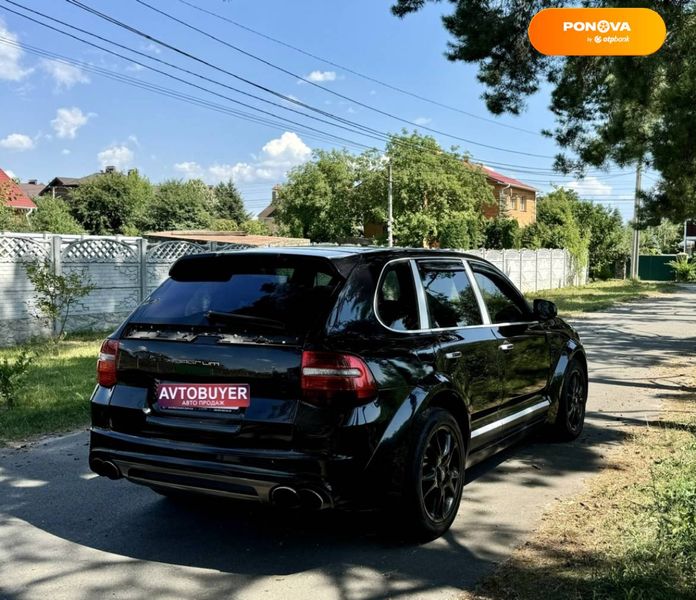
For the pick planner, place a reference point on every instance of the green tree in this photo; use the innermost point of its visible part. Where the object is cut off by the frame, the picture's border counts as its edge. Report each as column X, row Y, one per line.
column 111, row 203
column 662, row 238
column 318, row 200
column 609, row 110
column 431, row 187
column 181, row 205
column 53, row 215
column 501, row 233
column 604, row 230
column 254, row 227
column 556, row 225
column 228, row 202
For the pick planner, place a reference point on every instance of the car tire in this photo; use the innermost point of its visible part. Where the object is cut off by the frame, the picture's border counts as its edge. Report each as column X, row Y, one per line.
column 434, row 476
column 570, row 417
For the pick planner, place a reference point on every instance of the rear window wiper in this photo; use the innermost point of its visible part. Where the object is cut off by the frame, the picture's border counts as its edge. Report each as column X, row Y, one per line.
column 214, row 315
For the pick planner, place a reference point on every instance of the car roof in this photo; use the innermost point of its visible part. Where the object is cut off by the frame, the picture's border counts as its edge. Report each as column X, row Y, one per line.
column 337, row 252
column 344, row 258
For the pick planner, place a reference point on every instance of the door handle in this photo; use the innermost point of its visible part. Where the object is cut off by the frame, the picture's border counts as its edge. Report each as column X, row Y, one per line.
column 455, row 354
column 506, row 346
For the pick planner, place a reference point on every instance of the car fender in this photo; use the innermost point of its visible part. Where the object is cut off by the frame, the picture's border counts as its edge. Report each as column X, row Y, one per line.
column 570, row 350
column 391, row 453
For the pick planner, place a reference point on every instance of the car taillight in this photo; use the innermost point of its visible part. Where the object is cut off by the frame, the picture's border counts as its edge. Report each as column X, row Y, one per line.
column 106, row 365
column 332, row 378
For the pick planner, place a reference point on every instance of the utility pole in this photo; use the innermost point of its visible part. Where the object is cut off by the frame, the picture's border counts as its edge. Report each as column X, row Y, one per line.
column 390, row 207
column 635, row 249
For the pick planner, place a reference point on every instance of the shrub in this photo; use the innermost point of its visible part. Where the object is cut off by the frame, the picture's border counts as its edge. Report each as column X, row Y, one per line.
column 55, row 294
column 12, row 375
column 684, row 269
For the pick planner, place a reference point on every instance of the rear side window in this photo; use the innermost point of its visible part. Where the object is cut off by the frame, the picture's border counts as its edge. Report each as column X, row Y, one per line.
column 450, row 298
column 248, row 293
column 397, row 306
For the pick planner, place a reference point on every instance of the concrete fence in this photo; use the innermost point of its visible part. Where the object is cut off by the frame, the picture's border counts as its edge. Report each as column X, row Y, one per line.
column 124, row 270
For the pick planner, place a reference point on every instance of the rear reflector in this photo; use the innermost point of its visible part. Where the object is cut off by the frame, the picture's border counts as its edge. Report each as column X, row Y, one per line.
column 332, row 378
column 106, row 365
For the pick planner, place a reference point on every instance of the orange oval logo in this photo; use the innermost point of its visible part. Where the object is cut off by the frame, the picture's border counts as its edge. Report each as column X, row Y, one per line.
column 597, row 31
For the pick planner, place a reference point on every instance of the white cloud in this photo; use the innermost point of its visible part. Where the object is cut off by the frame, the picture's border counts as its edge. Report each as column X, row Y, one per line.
column 65, row 151
column 319, row 76
column 373, row 93
column 65, row 75
column 135, row 67
column 189, row 169
column 590, row 186
column 68, row 121
column 118, row 156
column 11, row 56
column 422, row 120
column 10, row 173
column 17, row 141
column 277, row 156
column 152, row 48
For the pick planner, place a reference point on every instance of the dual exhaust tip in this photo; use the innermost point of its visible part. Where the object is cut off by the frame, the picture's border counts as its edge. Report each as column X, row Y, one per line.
column 289, row 497
column 282, row 495
column 105, row 468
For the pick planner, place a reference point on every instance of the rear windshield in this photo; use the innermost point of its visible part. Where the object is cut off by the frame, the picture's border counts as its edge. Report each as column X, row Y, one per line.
column 251, row 293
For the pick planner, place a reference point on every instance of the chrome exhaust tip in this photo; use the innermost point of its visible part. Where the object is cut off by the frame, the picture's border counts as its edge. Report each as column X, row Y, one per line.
column 312, row 499
column 285, row 496
column 105, row 468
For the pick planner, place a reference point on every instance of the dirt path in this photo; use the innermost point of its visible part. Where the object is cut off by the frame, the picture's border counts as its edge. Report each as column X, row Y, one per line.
column 66, row 534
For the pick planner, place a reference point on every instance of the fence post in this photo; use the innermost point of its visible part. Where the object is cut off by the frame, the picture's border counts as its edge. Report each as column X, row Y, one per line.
column 521, row 282
column 536, row 270
column 57, row 266
column 551, row 268
column 565, row 267
column 142, row 255
column 504, row 265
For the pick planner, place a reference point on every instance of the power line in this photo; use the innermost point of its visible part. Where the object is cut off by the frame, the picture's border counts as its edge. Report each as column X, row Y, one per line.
column 385, row 137
column 166, row 74
column 168, row 92
column 357, row 73
column 516, row 168
column 187, row 54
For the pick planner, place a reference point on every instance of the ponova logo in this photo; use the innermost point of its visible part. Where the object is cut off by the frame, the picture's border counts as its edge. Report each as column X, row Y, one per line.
column 601, row 26
column 597, row 31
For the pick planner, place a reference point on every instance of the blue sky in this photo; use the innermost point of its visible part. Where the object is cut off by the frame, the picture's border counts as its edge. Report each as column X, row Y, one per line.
column 57, row 119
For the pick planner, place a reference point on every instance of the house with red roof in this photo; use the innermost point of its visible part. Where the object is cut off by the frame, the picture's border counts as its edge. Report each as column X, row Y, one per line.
column 514, row 198
column 11, row 195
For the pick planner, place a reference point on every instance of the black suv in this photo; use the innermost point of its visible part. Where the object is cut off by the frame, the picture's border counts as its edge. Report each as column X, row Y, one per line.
column 331, row 376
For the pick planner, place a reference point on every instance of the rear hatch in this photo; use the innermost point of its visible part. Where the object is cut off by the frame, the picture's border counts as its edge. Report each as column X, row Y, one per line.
column 214, row 354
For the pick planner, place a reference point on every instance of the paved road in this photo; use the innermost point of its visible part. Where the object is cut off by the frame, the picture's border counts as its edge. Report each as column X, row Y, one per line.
column 67, row 534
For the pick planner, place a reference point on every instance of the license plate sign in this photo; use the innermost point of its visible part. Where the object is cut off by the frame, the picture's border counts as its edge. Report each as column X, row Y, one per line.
column 203, row 396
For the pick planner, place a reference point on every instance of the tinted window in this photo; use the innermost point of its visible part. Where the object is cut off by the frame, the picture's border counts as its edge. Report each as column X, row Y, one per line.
column 450, row 298
column 248, row 293
column 503, row 303
column 397, row 306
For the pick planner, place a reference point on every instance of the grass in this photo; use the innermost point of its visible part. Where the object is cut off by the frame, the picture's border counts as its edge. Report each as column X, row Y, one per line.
column 631, row 535
column 601, row 295
column 56, row 392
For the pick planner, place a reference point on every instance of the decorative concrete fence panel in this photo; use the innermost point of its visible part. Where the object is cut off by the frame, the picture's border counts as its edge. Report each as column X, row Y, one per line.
column 113, row 267
column 534, row 270
column 124, row 270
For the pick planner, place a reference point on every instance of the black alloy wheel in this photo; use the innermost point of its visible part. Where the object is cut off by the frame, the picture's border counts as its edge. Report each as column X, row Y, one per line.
column 441, row 473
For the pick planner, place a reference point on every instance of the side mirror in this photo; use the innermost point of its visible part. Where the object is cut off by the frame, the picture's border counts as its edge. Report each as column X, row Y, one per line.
column 545, row 310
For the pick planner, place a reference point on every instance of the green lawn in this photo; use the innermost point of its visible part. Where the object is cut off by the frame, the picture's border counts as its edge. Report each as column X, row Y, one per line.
column 600, row 294
column 57, row 389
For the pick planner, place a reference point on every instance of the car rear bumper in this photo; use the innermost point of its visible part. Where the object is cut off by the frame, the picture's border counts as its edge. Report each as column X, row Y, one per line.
column 247, row 474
